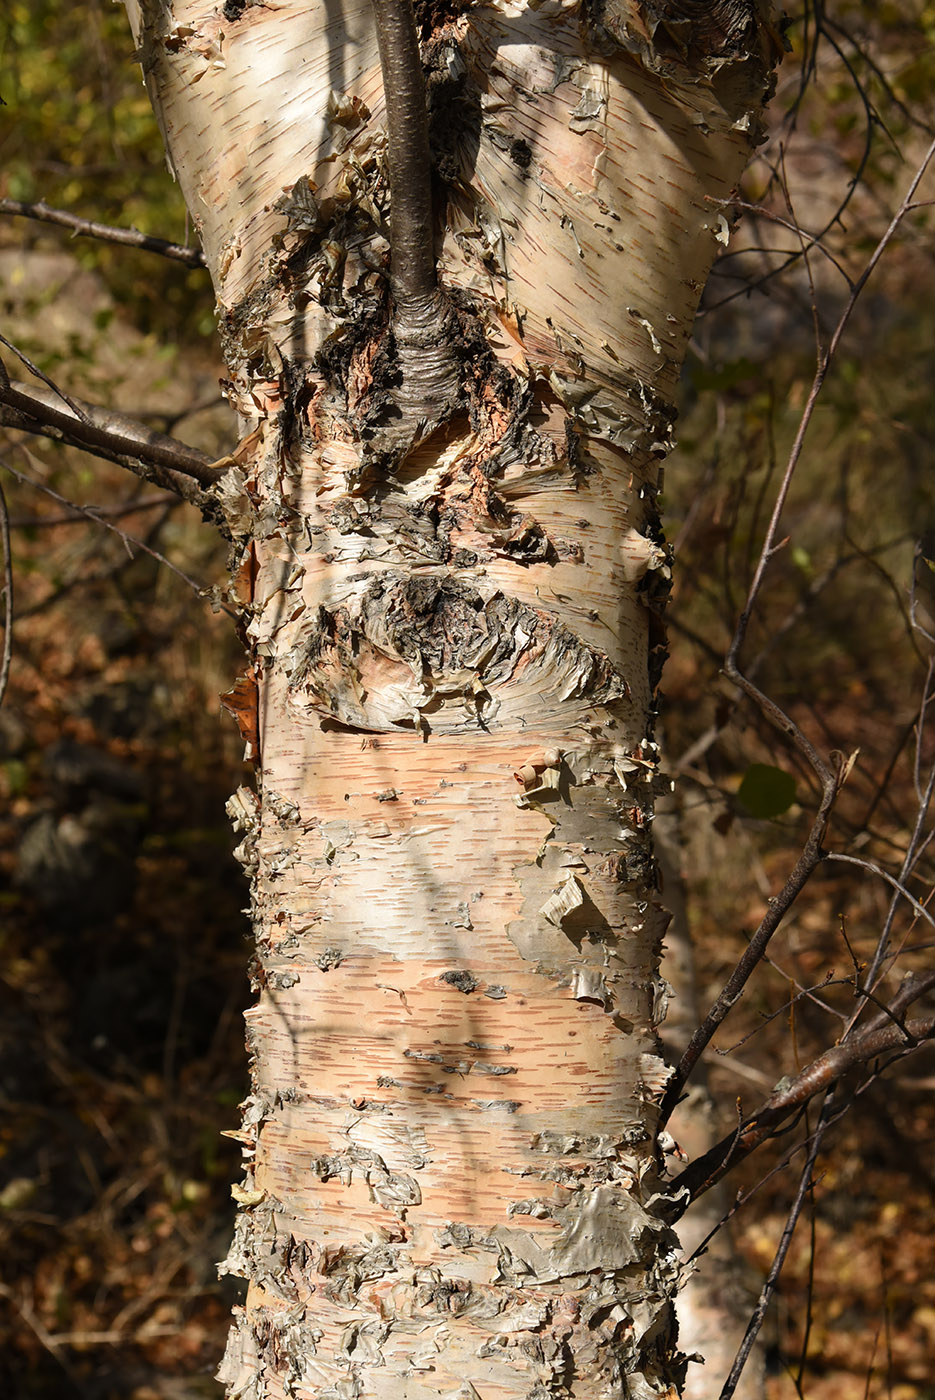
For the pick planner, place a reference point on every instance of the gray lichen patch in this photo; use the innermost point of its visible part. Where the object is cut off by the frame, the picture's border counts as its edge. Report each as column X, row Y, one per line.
column 460, row 980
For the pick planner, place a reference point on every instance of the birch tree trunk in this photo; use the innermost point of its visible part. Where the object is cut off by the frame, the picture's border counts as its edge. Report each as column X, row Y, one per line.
column 445, row 536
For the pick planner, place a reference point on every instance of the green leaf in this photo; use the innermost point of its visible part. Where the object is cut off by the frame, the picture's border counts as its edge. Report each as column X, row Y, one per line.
column 766, row 791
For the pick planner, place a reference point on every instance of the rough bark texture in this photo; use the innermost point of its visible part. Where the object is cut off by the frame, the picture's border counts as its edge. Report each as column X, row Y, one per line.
column 449, row 1147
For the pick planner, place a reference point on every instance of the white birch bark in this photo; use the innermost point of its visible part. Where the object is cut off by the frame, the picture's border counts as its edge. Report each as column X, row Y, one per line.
column 449, row 1147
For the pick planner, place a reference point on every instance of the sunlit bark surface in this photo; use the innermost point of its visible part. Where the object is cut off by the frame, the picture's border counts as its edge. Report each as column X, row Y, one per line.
column 449, row 1147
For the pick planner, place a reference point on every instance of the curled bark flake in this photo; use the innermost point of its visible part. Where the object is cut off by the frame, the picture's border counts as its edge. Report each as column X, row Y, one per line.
column 728, row 46
column 241, row 702
column 436, row 654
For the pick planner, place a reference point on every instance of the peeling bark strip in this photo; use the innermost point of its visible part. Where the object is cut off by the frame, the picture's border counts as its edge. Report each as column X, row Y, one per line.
column 435, row 655
column 450, row 1175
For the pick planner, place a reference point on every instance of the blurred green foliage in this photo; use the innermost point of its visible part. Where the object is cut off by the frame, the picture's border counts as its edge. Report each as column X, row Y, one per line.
column 766, row 791
column 78, row 132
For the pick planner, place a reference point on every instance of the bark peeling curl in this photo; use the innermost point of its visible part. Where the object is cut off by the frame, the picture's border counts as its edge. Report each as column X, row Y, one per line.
column 435, row 654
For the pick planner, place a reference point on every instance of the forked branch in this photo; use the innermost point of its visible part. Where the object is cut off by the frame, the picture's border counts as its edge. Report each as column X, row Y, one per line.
column 117, row 438
column 832, row 774
column 887, row 1034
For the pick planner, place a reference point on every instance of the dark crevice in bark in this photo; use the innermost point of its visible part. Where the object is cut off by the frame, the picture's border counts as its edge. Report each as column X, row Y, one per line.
column 654, row 589
column 731, row 46
column 432, row 15
column 454, row 114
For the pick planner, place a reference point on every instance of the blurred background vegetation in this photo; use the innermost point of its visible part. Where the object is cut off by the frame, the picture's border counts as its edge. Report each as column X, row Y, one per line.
column 123, row 938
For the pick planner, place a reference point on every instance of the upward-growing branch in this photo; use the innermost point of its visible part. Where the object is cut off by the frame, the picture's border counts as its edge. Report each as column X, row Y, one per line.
column 421, row 318
column 412, row 260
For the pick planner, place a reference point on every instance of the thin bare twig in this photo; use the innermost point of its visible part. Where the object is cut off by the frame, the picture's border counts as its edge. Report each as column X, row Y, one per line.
column 917, row 845
column 75, row 517
column 118, row 436
column 44, row 1337
column 59, row 393
column 873, row 120
column 878, row 870
column 809, row 1298
column 806, row 864
column 770, row 546
column 772, row 1278
column 831, row 778
column 743, row 1197
column 829, row 980
column 90, row 228
column 806, row 241
column 913, row 853
column 129, row 540
column 912, row 987
column 792, row 1095
column 78, row 576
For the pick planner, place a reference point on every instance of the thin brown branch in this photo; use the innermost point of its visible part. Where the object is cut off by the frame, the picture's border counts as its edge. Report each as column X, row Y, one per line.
column 810, row 858
column 59, row 393
column 912, row 987
column 772, row 1278
column 92, row 426
column 872, row 122
column 74, row 516
column 130, row 541
column 90, row 228
column 831, row 778
column 891, row 880
column 770, row 546
column 916, row 847
column 154, row 457
column 743, row 1197
column 181, row 486
column 792, row 1095
column 807, row 241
